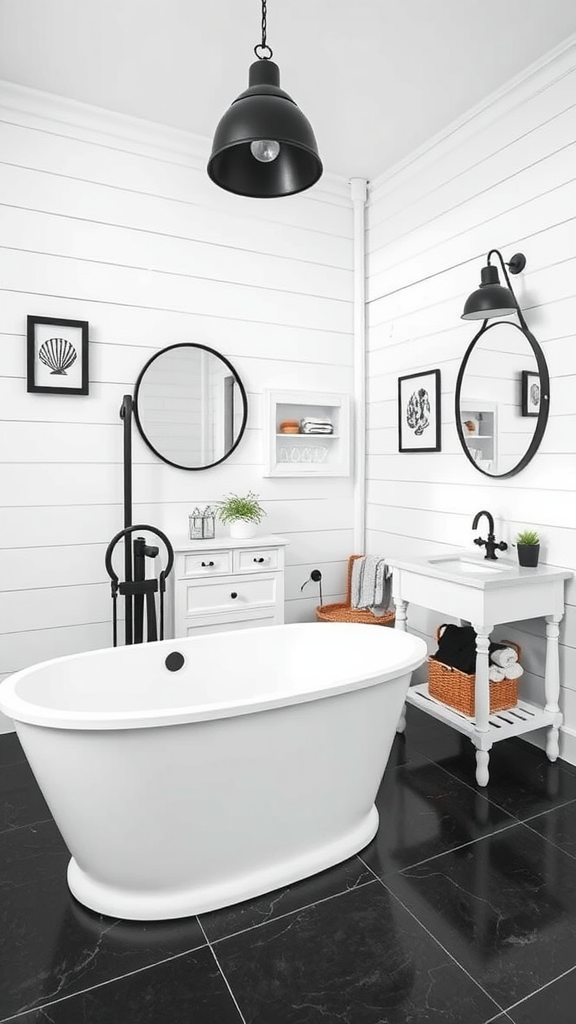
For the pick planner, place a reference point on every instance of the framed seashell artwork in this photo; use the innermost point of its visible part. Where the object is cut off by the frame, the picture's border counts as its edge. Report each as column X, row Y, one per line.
column 57, row 356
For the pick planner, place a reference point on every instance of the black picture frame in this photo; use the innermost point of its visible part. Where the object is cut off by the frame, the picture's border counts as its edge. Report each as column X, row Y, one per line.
column 531, row 393
column 419, row 422
column 57, row 356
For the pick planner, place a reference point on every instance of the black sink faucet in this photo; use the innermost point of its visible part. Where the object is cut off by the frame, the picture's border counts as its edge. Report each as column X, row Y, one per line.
column 490, row 544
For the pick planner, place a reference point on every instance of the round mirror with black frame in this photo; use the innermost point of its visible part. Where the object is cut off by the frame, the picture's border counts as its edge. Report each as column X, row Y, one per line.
column 503, row 386
column 190, row 406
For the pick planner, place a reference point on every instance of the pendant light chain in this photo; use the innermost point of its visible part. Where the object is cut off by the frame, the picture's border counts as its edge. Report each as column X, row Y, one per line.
column 263, row 45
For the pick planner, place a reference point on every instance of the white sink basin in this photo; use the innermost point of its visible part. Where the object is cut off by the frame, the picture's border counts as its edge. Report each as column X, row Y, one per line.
column 468, row 566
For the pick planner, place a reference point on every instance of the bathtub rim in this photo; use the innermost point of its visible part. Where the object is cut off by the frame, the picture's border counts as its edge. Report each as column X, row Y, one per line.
column 29, row 713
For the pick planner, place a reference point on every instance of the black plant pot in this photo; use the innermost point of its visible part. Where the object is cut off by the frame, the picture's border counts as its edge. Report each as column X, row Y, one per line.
column 528, row 555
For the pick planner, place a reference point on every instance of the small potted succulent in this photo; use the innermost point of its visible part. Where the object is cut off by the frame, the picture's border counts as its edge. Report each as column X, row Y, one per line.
column 528, row 546
column 241, row 513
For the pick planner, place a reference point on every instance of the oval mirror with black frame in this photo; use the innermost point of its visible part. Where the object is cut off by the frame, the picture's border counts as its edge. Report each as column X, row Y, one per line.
column 502, row 398
column 190, row 406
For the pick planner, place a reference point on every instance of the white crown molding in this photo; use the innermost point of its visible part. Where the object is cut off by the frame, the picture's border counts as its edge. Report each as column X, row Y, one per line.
column 58, row 115
column 538, row 76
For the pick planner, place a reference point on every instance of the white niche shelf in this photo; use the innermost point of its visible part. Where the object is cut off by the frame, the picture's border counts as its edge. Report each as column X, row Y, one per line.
column 307, row 454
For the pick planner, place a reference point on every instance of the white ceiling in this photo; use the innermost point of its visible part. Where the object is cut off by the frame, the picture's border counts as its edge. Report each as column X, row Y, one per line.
column 375, row 79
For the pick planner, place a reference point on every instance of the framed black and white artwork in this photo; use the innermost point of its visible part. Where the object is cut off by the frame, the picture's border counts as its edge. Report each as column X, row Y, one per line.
column 57, row 356
column 531, row 393
column 419, row 412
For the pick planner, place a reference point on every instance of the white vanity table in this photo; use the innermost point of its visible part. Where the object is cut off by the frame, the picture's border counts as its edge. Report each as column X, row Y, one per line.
column 486, row 594
column 225, row 584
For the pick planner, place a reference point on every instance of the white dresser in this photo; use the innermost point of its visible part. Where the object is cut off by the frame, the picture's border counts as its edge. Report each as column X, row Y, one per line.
column 224, row 584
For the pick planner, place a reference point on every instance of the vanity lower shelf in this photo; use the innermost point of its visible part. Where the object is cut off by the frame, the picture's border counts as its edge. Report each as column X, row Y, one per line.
column 522, row 718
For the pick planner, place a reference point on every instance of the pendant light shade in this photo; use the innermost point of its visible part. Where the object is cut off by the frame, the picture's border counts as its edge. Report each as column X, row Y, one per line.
column 491, row 299
column 264, row 146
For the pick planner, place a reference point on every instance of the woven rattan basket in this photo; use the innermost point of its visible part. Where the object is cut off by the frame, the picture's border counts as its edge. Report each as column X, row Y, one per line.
column 344, row 612
column 457, row 689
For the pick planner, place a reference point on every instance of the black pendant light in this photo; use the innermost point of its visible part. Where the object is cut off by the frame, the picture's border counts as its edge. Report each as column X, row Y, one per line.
column 264, row 147
column 491, row 298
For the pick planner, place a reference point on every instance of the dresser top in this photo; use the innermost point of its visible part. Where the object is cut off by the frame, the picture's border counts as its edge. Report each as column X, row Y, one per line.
column 259, row 540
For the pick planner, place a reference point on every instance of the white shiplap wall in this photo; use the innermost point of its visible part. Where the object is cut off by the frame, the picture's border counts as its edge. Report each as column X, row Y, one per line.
column 503, row 177
column 114, row 221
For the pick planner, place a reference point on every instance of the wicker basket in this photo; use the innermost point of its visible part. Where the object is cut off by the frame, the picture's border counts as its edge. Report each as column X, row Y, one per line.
column 457, row 689
column 343, row 611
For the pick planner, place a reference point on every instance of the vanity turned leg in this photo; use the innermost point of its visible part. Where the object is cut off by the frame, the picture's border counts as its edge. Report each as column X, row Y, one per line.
column 401, row 617
column 552, row 684
column 482, row 682
column 552, row 743
column 482, row 774
column 401, row 611
column 482, row 703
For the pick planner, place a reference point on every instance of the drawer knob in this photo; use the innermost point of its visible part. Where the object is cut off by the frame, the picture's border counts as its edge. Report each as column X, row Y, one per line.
column 258, row 559
column 233, row 594
column 205, row 565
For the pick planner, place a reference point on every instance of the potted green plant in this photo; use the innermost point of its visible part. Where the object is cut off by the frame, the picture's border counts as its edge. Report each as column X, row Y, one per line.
column 528, row 546
column 242, row 513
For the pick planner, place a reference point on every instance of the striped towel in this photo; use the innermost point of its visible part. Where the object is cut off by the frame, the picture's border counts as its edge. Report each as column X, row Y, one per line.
column 371, row 584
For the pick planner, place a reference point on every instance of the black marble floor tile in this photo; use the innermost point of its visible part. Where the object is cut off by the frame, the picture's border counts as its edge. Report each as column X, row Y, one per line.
column 359, row 957
column 424, row 811
column 51, row 946
column 32, row 853
column 522, row 780
column 555, row 1003
column 10, row 750
column 558, row 827
column 21, row 802
column 504, row 906
column 187, row 990
column 348, row 875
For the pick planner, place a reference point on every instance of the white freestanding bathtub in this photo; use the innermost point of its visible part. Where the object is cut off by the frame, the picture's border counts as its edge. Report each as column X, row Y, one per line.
column 253, row 765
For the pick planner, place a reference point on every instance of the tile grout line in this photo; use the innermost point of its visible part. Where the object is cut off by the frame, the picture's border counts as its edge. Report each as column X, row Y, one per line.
column 226, row 982
column 297, row 910
column 438, row 943
column 535, row 832
column 541, row 989
column 101, row 984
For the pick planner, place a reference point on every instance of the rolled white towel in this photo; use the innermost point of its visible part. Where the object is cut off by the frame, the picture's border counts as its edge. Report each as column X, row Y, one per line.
column 514, row 671
column 504, row 657
column 495, row 674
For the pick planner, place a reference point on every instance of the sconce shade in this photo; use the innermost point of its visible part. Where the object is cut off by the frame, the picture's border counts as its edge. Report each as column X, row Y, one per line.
column 264, row 112
column 490, row 299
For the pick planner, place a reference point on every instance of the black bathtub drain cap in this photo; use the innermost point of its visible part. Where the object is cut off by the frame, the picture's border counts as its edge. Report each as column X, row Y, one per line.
column 174, row 661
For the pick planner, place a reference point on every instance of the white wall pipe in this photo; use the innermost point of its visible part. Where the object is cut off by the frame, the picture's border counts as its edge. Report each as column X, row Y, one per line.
column 359, row 192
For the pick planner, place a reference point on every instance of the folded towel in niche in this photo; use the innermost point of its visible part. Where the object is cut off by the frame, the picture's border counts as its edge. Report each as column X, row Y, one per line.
column 504, row 657
column 370, row 585
column 316, row 426
column 513, row 671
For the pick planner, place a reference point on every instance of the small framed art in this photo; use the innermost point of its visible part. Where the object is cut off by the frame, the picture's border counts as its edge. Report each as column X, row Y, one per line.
column 419, row 412
column 57, row 356
column 531, row 393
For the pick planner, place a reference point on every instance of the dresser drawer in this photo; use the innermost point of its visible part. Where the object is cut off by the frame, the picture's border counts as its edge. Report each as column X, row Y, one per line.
column 233, row 595
column 213, row 563
column 225, row 623
column 256, row 559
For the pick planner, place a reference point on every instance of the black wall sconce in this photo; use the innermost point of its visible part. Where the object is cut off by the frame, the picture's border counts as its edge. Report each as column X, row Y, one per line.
column 489, row 302
column 264, row 146
column 491, row 298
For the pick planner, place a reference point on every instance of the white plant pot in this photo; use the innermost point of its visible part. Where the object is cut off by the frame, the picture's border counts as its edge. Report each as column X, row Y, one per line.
column 240, row 529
